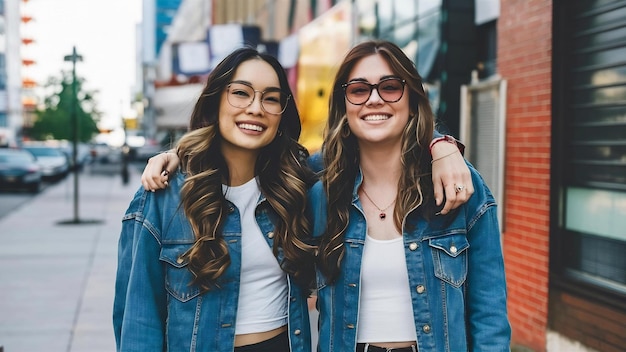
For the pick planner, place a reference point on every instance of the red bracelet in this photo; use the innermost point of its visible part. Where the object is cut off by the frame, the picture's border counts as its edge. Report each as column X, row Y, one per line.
column 446, row 138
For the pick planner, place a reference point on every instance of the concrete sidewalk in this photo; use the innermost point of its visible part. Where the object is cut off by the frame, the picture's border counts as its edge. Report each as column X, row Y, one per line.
column 57, row 280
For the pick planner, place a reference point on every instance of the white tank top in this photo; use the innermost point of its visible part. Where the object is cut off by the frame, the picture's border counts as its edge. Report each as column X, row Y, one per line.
column 385, row 312
column 263, row 287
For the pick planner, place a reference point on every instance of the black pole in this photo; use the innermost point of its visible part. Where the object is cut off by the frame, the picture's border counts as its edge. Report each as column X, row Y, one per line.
column 74, row 120
column 75, row 134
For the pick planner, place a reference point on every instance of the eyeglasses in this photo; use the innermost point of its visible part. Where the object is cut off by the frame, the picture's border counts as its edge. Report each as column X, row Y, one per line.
column 241, row 95
column 389, row 89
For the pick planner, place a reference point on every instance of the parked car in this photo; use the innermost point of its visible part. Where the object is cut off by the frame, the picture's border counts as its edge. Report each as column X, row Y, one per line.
column 53, row 162
column 83, row 154
column 104, row 154
column 144, row 152
column 142, row 148
column 19, row 169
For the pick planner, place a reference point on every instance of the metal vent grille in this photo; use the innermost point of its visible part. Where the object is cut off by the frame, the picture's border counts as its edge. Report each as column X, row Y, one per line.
column 483, row 131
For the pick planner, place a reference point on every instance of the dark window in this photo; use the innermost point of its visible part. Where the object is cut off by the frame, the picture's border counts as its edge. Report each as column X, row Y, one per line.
column 589, row 163
column 487, row 49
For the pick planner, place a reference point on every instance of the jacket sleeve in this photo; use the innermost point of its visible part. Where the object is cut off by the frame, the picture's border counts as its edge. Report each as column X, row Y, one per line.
column 317, row 210
column 316, row 162
column 139, row 308
column 488, row 323
column 486, row 295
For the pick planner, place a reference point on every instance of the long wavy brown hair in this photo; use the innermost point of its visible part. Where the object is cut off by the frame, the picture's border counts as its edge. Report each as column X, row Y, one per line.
column 341, row 153
column 280, row 168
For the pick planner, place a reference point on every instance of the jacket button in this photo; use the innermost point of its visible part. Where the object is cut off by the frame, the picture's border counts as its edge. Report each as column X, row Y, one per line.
column 413, row 246
column 420, row 289
column 453, row 249
column 426, row 328
column 297, row 332
column 352, row 285
column 350, row 326
column 270, row 234
column 179, row 260
column 231, row 209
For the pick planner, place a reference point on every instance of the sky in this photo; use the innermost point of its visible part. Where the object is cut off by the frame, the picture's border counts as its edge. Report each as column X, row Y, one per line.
column 103, row 32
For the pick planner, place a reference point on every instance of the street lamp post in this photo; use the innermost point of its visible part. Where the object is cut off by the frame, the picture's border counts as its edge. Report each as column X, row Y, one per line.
column 74, row 119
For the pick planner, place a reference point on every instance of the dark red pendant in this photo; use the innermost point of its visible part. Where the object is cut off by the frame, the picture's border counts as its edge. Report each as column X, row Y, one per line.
column 382, row 216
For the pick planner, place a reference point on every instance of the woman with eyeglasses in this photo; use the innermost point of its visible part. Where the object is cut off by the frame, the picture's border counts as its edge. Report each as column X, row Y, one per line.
column 394, row 274
column 453, row 177
column 219, row 260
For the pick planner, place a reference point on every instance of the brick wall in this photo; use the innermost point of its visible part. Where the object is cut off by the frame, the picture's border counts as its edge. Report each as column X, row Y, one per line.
column 524, row 59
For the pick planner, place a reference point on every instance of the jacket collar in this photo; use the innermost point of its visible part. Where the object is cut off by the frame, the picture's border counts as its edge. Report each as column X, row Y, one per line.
column 357, row 183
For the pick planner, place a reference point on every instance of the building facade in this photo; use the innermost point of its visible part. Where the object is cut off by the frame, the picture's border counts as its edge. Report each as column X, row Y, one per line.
column 587, row 291
column 10, row 73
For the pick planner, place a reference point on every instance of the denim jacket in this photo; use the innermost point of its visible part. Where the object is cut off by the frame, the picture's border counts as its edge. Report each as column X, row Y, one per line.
column 156, row 308
column 456, row 275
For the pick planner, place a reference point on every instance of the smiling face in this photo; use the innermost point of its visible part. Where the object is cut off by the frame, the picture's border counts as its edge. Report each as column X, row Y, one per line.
column 376, row 121
column 248, row 129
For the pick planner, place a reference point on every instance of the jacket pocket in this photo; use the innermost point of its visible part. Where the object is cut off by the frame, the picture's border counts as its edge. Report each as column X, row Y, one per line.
column 450, row 258
column 177, row 275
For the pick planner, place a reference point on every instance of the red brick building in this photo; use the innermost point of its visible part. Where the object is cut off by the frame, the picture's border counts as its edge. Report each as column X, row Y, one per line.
column 525, row 60
column 565, row 66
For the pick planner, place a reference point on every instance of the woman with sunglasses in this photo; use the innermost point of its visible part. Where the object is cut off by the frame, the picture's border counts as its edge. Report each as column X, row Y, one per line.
column 394, row 273
column 218, row 261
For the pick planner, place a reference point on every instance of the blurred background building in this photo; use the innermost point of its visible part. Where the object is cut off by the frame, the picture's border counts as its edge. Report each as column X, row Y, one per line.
column 11, row 60
column 536, row 89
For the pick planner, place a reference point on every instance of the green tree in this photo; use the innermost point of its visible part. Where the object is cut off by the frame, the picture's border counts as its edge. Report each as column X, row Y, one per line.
column 54, row 121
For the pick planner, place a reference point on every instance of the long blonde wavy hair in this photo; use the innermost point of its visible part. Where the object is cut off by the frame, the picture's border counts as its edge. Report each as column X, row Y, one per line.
column 341, row 153
column 283, row 179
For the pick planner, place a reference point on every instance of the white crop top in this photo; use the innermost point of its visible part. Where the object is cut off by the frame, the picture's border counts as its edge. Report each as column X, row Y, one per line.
column 385, row 311
column 263, row 288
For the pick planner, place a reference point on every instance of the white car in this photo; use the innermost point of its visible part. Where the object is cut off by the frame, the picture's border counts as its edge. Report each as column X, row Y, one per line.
column 53, row 162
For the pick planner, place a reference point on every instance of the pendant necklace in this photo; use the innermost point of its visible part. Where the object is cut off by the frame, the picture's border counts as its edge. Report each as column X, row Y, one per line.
column 382, row 214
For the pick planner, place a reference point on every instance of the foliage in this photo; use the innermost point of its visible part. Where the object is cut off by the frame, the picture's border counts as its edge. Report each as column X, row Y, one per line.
column 55, row 120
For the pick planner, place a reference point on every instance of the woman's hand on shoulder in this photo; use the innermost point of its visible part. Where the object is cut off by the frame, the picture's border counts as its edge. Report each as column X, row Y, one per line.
column 158, row 170
column 451, row 177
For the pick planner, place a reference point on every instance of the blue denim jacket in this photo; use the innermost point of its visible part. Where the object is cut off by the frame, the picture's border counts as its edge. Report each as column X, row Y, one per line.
column 156, row 308
column 456, row 272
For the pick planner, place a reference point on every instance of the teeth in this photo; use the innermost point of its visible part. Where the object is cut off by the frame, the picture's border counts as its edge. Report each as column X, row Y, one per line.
column 247, row 126
column 375, row 117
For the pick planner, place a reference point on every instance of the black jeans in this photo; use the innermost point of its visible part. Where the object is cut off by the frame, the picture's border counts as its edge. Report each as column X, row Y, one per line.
column 361, row 347
column 278, row 343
